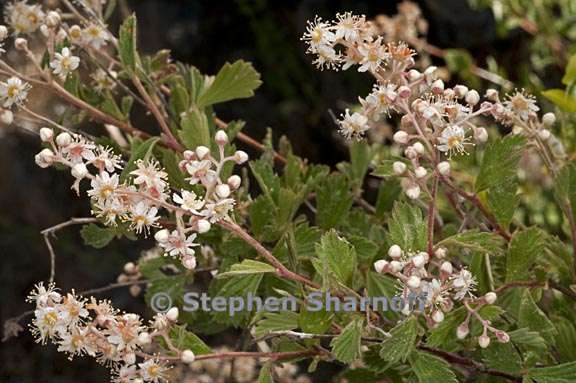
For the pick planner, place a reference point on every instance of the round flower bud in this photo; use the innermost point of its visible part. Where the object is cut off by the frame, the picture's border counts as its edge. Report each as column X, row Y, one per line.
column 52, row 19
column 413, row 282
column 189, row 262
column 447, row 268
column 45, row 30
column 544, row 134
column 129, row 358
column 21, row 43
column 221, row 137
column 201, row 152
column 63, row 139
column 517, row 129
column 172, row 314
column 443, row 168
column 419, row 148
column 484, row 341
column 492, row 95
column 420, row 172
column 189, row 155
column 380, row 265
column 410, row 153
column 400, row 137
column 549, row 119
column 394, row 252
column 162, row 236
column 404, row 91
column 396, row 266
column 502, row 336
column 440, row 253
column 429, row 72
column 462, row 331
column 481, row 135
column 46, row 134
column 234, row 182
column 7, row 117
column 135, row 290
column 130, row 268
column 398, row 168
column 460, row 90
column 472, row 97
column 418, row 261
column 490, row 297
column 223, row 190
column 438, row 316
column 45, row 158
column 240, row 157
column 438, row 86
column 79, row 171
column 414, row 75
column 188, row 356
column 424, row 255
column 144, row 338
column 203, row 226
column 3, row 32
column 413, row 192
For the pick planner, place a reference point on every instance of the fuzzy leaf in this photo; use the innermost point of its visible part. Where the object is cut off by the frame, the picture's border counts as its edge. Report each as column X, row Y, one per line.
column 195, row 130
column 431, row 369
column 237, row 80
column 407, row 228
column 524, row 248
column 398, row 347
column 346, row 347
column 184, row 339
column 561, row 99
column 127, row 44
column 475, row 240
column 530, row 316
column 337, row 257
column 276, row 321
column 247, row 267
column 96, row 236
column 562, row 373
column 333, row 201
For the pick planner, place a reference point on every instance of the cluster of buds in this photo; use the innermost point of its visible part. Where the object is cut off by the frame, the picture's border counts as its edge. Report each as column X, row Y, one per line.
column 138, row 199
column 79, row 326
column 440, row 283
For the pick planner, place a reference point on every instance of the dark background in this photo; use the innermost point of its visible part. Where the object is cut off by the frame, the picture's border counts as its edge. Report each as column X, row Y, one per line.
column 294, row 100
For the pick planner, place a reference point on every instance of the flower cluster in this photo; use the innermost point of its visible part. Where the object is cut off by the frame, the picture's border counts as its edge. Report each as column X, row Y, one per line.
column 95, row 328
column 138, row 197
column 441, row 284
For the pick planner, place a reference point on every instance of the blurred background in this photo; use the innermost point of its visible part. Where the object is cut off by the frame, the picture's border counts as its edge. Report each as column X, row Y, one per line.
column 526, row 43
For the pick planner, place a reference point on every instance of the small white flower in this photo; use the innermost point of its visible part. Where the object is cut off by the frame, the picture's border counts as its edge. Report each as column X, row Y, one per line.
column 103, row 80
column 200, row 171
column 373, row 54
column 64, row 63
column 216, row 211
column 347, row 26
column 189, row 201
column 453, row 140
column 95, row 36
column 464, row 284
column 24, row 18
column 153, row 371
column 353, row 125
column 150, row 174
column 13, row 91
column 179, row 245
column 103, row 186
column 318, row 34
column 143, row 217
column 521, row 104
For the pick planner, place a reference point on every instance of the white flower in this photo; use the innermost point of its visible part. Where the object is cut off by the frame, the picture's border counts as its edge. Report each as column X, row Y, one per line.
column 43, row 296
column 105, row 159
column 215, row 211
column 103, row 80
column 124, row 332
column 373, row 54
column 179, row 245
column 327, row 56
column 72, row 310
column 79, row 150
column 64, row 63
column 95, row 36
column 109, row 209
column 189, row 201
column 13, row 91
column 522, row 104
column 149, row 174
column 353, row 125
column 143, row 217
column 103, row 186
column 453, row 140
column 153, row 371
column 200, row 171
column 318, row 34
column 464, row 283
column 24, row 18
column 77, row 342
column 46, row 323
column 347, row 27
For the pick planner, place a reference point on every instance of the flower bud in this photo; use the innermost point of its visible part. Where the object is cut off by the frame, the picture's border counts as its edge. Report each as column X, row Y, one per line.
column 144, row 338
column 162, row 236
column 404, row 91
column 221, row 137
column 438, row 87
column 7, row 117
column 443, row 168
column 517, row 129
column 410, row 152
column 420, row 172
column 484, row 341
column 544, row 134
column 447, row 268
column 460, row 90
column 45, row 158
column 189, row 155
column 502, row 336
column 400, row 137
column 481, row 135
column 79, row 171
column 413, row 282
column 52, row 19
column 462, row 331
column 418, row 261
column 394, row 252
column 419, row 148
column 234, row 182
column 63, row 139
column 189, row 262
column 21, row 43
column 130, row 268
column 472, row 97
column 203, row 226
column 172, row 314
column 490, row 297
column 438, row 316
column 46, row 134
column 201, row 152
column 549, row 119
column 413, row 192
column 129, row 358
column 3, row 32
column 380, row 265
column 414, row 75
column 188, row 356
column 492, row 95
column 429, row 72
column 440, row 253
column 223, row 190
column 398, row 168
column 240, row 157
column 135, row 290
column 396, row 266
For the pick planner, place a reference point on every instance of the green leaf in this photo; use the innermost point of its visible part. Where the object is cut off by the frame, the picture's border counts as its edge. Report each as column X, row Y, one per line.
column 170, row 161
column 401, row 343
column 333, row 201
column 186, row 340
column 502, row 201
column 565, row 188
column 562, row 373
column 127, row 44
column 314, row 322
column 503, row 357
column 265, row 375
column 276, row 321
column 500, row 163
column 525, row 246
column 360, row 157
column 195, row 129
column 570, row 72
column 346, row 346
column 407, row 228
column 530, row 316
column 140, row 151
column 236, row 287
column 475, row 240
column 431, row 369
column 96, row 236
column 247, row 267
column 566, row 339
column 561, row 99
column 444, row 334
column 337, row 257
column 237, row 80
